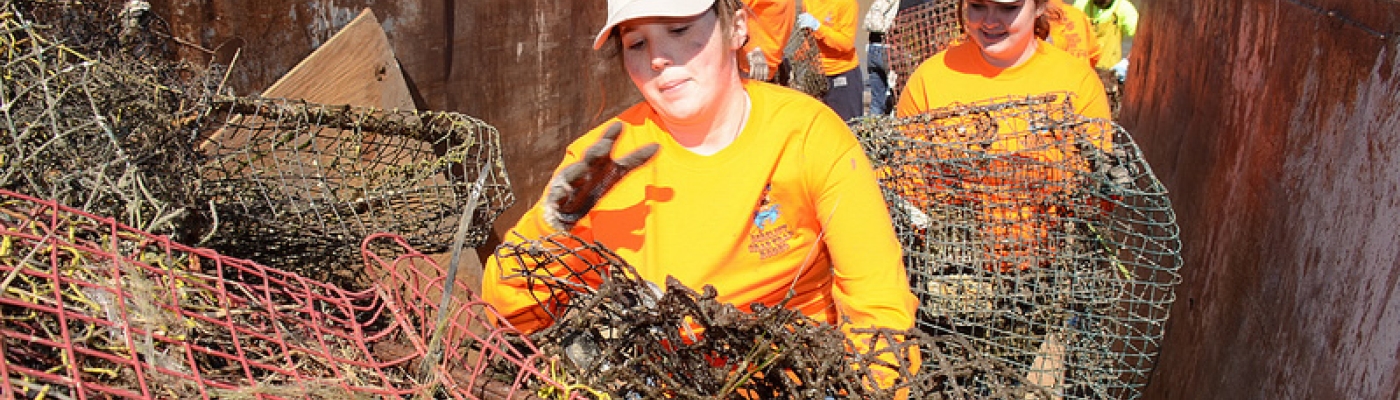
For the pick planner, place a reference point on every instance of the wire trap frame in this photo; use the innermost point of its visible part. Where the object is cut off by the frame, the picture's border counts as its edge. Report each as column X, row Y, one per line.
column 614, row 334
column 919, row 32
column 1040, row 236
column 293, row 180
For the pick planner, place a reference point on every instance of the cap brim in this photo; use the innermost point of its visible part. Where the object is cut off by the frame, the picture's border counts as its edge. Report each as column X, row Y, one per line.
column 648, row 9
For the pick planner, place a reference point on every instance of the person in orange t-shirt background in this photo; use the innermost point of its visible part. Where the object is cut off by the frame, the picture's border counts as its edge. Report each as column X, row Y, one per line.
column 770, row 27
column 833, row 23
column 1071, row 31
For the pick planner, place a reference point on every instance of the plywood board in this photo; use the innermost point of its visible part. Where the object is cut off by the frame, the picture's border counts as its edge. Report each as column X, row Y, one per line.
column 357, row 67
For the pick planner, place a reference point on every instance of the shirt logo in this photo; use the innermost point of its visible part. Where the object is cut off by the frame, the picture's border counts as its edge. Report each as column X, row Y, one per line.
column 769, row 235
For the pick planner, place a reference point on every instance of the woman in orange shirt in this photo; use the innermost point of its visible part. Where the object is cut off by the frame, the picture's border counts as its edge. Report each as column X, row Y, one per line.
column 1003, row 57
column 755, row 189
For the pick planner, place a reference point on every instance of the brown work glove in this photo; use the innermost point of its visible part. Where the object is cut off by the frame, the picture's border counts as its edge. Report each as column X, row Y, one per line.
column 577, row 187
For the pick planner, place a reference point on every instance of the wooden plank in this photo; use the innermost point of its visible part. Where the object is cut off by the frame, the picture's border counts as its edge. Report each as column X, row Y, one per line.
column 357, row 66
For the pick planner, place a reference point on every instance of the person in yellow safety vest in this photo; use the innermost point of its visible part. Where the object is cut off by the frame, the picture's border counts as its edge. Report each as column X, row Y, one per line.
column 1070, row 31
column 1114, row 21
column 770, row 28
column 755, row 189
column 833, row 23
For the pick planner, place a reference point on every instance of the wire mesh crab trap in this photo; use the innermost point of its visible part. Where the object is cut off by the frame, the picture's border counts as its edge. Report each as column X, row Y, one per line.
column 95, row 309
column 88, row 110
column 918, row 33
column 305, row 180
column 615, row 334
column 95, row 116
column 1040, row 236
column 802, row 64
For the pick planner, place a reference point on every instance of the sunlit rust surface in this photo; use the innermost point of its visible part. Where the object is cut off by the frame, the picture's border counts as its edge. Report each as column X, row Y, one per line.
column 1277, row 128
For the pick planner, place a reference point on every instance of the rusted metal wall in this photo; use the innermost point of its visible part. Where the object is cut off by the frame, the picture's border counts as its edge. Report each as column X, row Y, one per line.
column 1276, row 126
column 524, row 66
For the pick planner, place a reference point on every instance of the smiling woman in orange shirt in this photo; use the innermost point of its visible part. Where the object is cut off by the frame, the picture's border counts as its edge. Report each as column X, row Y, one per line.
column 718, row 180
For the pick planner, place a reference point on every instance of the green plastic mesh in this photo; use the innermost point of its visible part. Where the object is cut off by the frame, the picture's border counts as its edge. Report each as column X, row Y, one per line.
column 1030, row 234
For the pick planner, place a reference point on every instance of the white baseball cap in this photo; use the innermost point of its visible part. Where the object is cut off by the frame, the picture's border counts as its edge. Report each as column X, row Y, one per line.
column 620, row 11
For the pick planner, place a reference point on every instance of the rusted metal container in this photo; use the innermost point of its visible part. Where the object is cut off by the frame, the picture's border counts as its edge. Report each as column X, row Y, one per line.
column 1276, row 125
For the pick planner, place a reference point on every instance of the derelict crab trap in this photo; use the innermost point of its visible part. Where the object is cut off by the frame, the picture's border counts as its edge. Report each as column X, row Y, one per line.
column 95, row 116
column 615, row 334
column 88, row 111
column 293, row 179
column 95, row 309
column 802, row 64
column 918, row 33
column 1029, row 233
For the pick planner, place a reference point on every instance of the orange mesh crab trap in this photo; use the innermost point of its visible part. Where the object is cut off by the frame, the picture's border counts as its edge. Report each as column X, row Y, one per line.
column 1040, row 236
column 94, row 309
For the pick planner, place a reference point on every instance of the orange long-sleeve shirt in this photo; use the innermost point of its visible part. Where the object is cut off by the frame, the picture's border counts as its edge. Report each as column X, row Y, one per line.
column 837, row 35
column 1073, row 33
column 770, row 28
column 793, row 199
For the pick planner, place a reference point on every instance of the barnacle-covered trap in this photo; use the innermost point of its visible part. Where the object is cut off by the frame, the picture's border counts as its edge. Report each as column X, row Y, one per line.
column 89, row 111
column 1040, row 236
column 96, row 116
column 616, row 335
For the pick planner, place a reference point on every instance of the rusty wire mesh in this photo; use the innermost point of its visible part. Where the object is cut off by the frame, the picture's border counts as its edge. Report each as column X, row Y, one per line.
column 96, row 116
column 1114, row 89
column 95, row 309
column 294, row 181
column 88, row 112
column 802, row 64
column 1030, row 234
column 618, row 335
column 918, row 33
